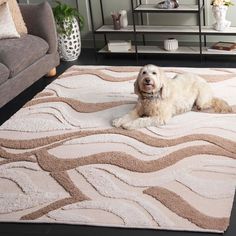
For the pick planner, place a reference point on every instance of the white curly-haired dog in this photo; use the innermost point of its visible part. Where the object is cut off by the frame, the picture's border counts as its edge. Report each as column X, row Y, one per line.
column 160, row 98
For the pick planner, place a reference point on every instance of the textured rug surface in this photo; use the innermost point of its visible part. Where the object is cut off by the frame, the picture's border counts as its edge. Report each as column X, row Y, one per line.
column 61, row 161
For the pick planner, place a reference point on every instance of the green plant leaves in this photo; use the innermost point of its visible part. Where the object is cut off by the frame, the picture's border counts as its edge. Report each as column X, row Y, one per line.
column 65, row 13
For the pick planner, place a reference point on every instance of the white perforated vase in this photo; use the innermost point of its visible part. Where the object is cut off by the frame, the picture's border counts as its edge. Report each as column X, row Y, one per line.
column 69, row 46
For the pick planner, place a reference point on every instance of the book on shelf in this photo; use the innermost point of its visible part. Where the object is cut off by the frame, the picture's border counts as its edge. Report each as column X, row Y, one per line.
column 221, row 51
column 223, row 46
column 119, row 45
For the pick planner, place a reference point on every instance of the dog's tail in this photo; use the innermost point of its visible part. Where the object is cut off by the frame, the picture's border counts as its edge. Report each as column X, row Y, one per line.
column 220, row 106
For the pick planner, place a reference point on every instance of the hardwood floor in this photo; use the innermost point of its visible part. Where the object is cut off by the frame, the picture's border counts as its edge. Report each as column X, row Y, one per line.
column 88, row 58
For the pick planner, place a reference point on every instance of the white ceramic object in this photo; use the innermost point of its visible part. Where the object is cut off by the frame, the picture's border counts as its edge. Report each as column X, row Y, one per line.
column 119, row 45
column 168, row 4
column 123, row 18
column 219, row 13
column 69, row 47
column 171, row 44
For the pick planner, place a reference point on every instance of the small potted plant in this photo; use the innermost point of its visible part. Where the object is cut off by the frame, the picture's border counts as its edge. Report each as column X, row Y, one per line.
column 222, row 2
column 69, row 22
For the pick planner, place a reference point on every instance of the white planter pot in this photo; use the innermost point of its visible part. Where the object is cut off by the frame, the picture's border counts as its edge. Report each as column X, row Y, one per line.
column 69, row 47
column 171, row 44
column 219, row 13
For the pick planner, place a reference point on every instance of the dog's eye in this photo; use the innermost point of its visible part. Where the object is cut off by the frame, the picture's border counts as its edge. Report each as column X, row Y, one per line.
column 144, row 72
column 154, row 73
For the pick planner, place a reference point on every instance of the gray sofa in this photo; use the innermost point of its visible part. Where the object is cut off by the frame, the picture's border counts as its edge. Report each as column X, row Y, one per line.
column 25, row 60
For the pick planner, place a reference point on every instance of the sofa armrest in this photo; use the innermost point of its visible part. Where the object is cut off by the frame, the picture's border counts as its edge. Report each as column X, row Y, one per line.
column 40, row 22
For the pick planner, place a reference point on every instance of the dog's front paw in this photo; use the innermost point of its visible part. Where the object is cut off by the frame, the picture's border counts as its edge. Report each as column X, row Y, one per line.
column 117, row 122
column 159, row 122
column 128, row 126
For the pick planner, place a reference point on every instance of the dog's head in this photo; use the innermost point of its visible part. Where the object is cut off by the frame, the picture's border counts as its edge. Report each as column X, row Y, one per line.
column 151, row 80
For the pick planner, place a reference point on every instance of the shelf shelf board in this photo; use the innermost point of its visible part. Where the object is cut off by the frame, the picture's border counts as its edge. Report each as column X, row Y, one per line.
column 183, row 8
column 187, row 29
column 104, row 50
column 208, row 30
column 160, row 50
column 151, row 29
column 110, row 29
column 154, row 50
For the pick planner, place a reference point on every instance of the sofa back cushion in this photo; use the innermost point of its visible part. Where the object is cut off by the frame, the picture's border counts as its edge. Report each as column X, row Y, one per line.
column 16, row 15
column 7, row 26
column 39, row 20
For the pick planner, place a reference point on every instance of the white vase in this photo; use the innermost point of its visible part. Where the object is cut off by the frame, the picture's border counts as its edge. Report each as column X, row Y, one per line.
column 123, row 18
column 69, row 46
column 171, row 44
column 219, row 13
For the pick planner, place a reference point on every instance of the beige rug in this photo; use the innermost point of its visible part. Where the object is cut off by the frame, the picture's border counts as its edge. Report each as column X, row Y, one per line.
column 61, row 161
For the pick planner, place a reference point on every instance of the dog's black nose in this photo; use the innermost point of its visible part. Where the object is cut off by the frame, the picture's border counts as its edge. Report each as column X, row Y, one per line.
column 147, row 80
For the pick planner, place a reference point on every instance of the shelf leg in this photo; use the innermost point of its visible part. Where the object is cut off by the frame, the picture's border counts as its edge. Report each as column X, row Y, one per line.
column 200, row 28
column 93, row 30
column 204, row 21
column 135, row 33
column 142, row 23
column 103, row 20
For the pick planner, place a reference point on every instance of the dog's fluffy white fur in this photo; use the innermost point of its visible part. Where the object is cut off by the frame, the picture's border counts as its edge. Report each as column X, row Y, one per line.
column 160, row 98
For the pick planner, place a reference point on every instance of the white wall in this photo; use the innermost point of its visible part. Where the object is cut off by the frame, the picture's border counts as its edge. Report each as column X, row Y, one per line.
column 155, row 19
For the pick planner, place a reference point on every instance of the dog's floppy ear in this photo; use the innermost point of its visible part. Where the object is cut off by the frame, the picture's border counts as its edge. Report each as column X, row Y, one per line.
column 136, row 87
column 165, row 92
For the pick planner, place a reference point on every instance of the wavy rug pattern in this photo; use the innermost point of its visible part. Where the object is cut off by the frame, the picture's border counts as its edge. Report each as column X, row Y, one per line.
column 61, row 161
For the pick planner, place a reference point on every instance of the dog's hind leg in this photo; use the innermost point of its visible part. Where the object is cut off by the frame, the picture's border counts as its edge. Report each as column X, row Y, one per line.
column 221, row 106
column 205, row 100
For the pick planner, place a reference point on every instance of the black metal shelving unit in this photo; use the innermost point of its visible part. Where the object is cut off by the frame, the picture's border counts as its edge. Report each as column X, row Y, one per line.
column 201, row 30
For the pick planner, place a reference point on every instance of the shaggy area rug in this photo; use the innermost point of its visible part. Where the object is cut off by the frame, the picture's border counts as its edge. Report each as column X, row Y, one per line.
column 61, row 161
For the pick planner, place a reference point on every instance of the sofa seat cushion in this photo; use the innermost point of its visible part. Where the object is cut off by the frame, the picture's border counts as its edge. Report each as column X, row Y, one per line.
column 17, row 54
column 4, row 73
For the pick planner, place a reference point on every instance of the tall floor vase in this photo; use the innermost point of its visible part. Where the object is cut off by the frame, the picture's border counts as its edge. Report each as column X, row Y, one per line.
column 69, row 46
